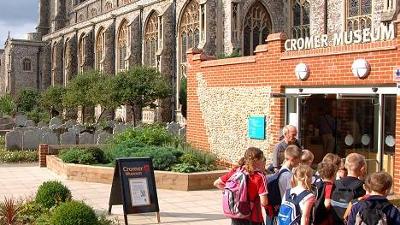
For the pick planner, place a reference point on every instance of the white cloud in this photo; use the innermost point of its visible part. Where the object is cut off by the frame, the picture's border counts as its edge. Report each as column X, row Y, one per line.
column 17, row 31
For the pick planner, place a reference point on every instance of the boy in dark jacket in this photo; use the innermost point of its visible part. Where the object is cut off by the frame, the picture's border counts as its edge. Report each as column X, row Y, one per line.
column 378, row 187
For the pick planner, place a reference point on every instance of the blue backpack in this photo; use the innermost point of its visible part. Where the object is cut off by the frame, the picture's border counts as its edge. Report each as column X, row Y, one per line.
column 290, row 212
column 274, row 194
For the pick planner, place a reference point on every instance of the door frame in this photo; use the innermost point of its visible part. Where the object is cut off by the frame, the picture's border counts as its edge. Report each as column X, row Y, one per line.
column 345, row 92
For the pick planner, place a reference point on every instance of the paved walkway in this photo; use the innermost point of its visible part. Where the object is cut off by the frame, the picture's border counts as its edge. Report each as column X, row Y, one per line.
column 177, row 207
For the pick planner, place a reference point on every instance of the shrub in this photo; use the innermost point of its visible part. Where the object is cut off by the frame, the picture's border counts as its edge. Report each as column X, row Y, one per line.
column 38, row 115
column 73, row 213
column 7, row 104
column 18, row 156
column 31, row 211
column 52, row 193
column 83, row 156
column 195, row 161
column 27, row 100
column 152, row 134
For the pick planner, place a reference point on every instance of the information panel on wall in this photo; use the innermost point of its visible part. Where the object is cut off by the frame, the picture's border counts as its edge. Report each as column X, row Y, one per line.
column 134, row 187
column 256, row 127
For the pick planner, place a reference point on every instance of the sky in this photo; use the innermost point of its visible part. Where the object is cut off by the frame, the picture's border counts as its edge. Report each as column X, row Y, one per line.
column 19, row 17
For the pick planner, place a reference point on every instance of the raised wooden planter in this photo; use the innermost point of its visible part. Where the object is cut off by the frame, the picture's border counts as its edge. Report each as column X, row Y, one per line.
column 164, row 179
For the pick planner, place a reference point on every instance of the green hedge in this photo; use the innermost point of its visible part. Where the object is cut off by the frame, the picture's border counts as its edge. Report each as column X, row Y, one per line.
column 52, row 193
column 83, row 156
column 18, row 156
column 73, row 213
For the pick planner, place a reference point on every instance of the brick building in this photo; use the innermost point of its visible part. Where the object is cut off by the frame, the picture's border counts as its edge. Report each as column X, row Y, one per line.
column 347, row 75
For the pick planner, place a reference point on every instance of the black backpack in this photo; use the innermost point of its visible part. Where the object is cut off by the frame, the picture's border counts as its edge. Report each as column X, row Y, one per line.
column 371, row 213
column 342, row 195
column 320, row 213
column 274, row 194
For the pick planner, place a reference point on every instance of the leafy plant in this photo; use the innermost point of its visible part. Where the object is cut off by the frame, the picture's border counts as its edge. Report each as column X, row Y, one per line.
column 83, row 156
column 18, row 156
column 183, row 96
column 51, row 98
column 103, row 220
column 9, row 210
column 140, row 87
column 52, row 193
column 73, row 213
column 235, row 53
column 31, row 211
column 38, row 115
column 27, row 100
column 7, row 104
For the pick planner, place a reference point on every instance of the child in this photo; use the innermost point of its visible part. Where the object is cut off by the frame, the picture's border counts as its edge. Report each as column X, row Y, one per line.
column 378, row 186
column 292, row 160
column 301, row 194
column 323, row 210
column 348, row 188
column 253, row 163
column 307, row 157
column 338, row 162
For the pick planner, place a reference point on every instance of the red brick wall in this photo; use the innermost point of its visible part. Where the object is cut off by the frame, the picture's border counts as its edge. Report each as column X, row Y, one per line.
column 271, row 66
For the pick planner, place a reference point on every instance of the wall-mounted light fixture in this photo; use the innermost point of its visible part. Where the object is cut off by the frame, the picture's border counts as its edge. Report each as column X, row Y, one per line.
column 360, row 68
column 302, row 72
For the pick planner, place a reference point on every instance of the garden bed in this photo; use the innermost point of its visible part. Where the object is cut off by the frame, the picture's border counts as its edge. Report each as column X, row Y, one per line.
column 164, row 179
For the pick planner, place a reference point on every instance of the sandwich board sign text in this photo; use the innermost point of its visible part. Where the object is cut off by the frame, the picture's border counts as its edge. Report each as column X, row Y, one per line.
column 134, row 187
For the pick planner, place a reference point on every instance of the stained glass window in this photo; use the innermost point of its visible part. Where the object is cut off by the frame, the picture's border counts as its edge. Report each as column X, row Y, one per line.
column 257, row 26
column 359, row 14
column 189, row 28
column 151, row 40
column 301, row 18
column 122, row 45
column 100, row 48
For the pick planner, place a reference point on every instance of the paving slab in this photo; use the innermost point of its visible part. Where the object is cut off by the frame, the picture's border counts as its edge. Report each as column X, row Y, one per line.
column 177, row 207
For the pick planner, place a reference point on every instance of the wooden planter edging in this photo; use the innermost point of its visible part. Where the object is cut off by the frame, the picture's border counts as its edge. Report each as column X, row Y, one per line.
column 164, row 179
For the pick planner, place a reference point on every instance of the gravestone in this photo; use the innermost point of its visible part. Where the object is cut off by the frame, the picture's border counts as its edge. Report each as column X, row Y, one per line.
column 31, row 139
column 55, row 122
column 30, row 123
column 119, row 128
column 103, row 137
column 49, row 138
column 68, row 138
column 86, row 138
column 13, row 140
column 42, row 124
column 76, row 129
column 173, row 128
column 20, row 120
column 182, row 132
column 70, row 123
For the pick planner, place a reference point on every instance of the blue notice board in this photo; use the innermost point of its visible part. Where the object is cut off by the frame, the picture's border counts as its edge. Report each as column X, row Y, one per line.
column 256, row 127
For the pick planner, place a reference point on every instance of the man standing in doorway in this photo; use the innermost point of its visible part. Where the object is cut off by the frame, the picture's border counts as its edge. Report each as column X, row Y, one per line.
column 289, row 138
column 327, row 128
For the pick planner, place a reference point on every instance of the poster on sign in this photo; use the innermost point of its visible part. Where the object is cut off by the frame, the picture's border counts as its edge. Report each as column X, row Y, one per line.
column 139, row 191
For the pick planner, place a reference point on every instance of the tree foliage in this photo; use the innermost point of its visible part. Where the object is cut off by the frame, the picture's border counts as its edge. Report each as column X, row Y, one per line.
column 79, row 89
column 27, row 100
column 52, row 98
column 183, row 96
column 140, row 87
column 7, row 104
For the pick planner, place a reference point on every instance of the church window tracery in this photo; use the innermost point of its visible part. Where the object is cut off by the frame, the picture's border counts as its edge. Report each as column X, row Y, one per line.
column 359, row 14
column 300, row 18
column 27, row 65
column 189, row 28
column 100, row 49
column 151, row 40
column 81, row 52
column 122, row 46
column 108, row 6
column 257, row 26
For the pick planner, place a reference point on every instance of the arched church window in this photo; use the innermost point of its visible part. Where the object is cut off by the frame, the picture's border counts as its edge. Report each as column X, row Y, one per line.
column 189, row 28
column 100, row 48
column 108, row 6
column 27, row 65
column 359, row 14
column 300, row 18
column 122, row 46
column 81, row 52
column 257, row 26
column 93, row 12
column 151, row 40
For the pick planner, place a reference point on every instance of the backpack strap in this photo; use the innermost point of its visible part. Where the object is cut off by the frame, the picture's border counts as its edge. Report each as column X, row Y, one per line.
column 282, row 172
column 301, row 196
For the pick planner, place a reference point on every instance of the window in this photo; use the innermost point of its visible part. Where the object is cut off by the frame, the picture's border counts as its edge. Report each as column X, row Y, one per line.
column 27, row 65
column 108, row 6
column 100, row 48
column 122, row 46
column 189, row 28
column 93, row 12
column 81, row 52
column 300, row 19
column 151, row 40
column 358, row 14
column 257, row 26
column 235, row 22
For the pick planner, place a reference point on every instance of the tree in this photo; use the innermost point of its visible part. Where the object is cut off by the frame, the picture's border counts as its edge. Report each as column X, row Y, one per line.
column 27, row 100
column 7, row 104
column 140, row 87
column 183, row 96
column 52, row 97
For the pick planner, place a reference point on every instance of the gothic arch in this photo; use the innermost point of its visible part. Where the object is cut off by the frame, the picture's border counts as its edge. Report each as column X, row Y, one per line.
column 100, row 48
column 256, row 26
column 122, row 45
column 81, row 52
column 151, row 39
column 189, row 28
column 358, row 14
